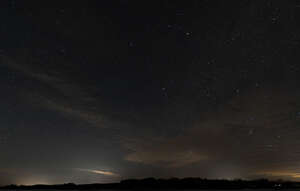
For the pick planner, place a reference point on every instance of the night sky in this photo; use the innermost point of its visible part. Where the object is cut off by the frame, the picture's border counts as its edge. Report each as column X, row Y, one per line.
column 99, row 91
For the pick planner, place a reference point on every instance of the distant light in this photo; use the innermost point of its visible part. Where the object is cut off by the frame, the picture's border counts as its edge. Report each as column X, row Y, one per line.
column 32, row 181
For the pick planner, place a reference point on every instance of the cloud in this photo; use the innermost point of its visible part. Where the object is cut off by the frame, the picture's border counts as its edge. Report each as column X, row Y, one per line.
column 30, row 71
column 252, row 131
column 58, row 93
column 106, row 173
column 162, row 153
column 174, row 159
column 282, row 174
column 92, row 117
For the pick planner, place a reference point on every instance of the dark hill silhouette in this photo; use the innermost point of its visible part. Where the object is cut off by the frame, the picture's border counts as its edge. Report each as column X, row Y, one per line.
column 173, row 183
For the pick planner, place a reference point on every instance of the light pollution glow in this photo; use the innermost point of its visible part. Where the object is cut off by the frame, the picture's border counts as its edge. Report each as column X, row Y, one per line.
column 280, row 174
column 28, row 181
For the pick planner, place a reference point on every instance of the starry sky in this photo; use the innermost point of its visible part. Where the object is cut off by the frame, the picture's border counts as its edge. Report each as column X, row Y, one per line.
column 100, row 91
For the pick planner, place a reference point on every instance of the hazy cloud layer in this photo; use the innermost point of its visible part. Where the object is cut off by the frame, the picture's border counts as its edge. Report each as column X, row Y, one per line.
column 255, row 130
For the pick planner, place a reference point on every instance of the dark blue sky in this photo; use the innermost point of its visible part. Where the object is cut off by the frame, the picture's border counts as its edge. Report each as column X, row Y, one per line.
column 98, row 91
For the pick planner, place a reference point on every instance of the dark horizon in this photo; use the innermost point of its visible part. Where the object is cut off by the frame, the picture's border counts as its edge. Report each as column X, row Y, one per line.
column 99, row 91
column 171, row 183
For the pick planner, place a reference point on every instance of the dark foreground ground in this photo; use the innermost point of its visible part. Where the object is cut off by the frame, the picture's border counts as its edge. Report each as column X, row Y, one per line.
column 173, row 183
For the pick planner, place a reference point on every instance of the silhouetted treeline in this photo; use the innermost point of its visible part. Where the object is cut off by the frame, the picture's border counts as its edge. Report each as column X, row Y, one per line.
column 173, row 183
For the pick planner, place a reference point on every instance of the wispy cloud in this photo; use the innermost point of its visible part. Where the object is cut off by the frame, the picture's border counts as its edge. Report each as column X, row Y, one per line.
column 174, row 159
column 102, row 172
column 163, row 153
column 29, row 71
column 92, row 117
column 259, row 133
column 67, row 97
column 286, row 174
